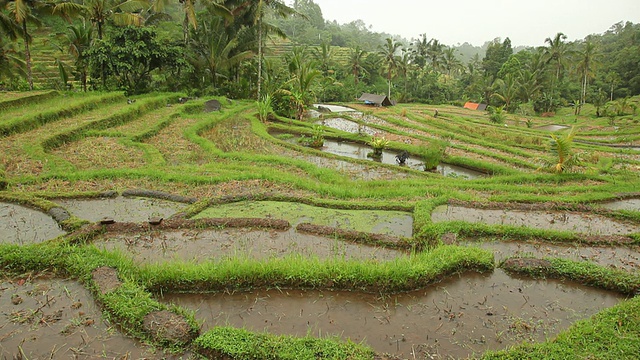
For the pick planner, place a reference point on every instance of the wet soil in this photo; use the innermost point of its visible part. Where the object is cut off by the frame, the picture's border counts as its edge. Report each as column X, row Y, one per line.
column 458, row 317
column 626, row 258
column 58, row 319
column 583, row 223
column 396, row 223
column 336, row 108
column 120, row 209
column 22, row 225
column 204, row 245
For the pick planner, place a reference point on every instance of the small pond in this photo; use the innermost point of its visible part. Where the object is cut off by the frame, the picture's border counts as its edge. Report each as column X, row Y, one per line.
column 348, row 126
column 550, row 220
column 552, row 127
column 121, row 209
column 458, row 317
column 58, row 319
column 22, row 225
column 204, row 245
column 395, row 223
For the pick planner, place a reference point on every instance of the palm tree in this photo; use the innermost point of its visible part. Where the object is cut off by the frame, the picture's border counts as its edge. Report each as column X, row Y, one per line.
column 10, row 61
column 450, row 62
column 435, row 53
column 506, row 90
column 420, row 51
column 356, row 60
column 561, row 147
column 324, row 55
column 588, row 61
column 389, row 58
column 21, row 12
column 217, row 48
column 557, row 53
column 80, row 39
column 255, row 11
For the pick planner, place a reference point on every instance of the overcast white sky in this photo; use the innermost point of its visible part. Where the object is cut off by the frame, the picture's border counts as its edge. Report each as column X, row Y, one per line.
column 525, row 22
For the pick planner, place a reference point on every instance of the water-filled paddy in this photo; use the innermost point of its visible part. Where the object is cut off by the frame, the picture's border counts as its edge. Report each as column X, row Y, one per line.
column 395, row 223
column 204, row 245
column 120, row 209
column 628, row 204
column 550, row 220
column 58, row 319
column 22, row 225
column 458, row 317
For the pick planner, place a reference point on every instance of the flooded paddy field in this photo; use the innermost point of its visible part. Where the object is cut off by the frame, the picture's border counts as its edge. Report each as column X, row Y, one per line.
column 120, row 209
column 459, row 317
column 22, row 225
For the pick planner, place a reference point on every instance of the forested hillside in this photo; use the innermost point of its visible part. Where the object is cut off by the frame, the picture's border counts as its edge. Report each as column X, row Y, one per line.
column 215, row 48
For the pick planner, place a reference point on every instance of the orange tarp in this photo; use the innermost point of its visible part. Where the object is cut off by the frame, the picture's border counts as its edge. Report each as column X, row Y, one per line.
column 471, row 105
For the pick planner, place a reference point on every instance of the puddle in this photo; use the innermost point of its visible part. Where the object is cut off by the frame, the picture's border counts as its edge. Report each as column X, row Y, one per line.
column 615, row 257
column 552, row 127
column 202, row 245
column 456, row 318
column 58, row 319
column 395, row 223
column 629, row 204
column 549, row 220
column 360, row 151
column 22, row 225
column 121, row 209
column 335, row 108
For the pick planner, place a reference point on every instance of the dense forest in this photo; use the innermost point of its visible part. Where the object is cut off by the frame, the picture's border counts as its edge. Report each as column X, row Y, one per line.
column 293, row 56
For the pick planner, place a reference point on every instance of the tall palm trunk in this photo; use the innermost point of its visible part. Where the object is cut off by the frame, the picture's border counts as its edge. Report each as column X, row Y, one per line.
column 27, row 55
column 259, row 57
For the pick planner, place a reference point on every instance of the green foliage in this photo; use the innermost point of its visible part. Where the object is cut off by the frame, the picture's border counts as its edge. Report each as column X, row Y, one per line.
column 264, row 108
column 225, row 342
column 432, row 154
column 131, row 55
column 561, row 146
column 316, row 140
column 378, row 144
column 497, row 114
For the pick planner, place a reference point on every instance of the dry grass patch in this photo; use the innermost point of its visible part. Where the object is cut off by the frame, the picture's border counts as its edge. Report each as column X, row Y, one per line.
column 101, row 153
column 144, row 123
column 176, row 149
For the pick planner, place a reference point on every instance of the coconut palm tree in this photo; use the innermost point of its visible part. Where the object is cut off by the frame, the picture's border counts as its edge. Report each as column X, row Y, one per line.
column 450, row 62
column 435, row 54
column 11, row 63
column 356, row 60
column 80, row 39
column 217, row 48
column 587, row 64
column 22, row 12
column 389, row 58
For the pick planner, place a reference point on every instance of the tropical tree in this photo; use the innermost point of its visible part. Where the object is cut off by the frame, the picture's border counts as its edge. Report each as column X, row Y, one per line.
column 564, row 159
column 324, row 56
column 588, row 61
column 356, row 60
column 11, row 64
column 79, row 39
column 419, row 51
column 389, row 58
column 217, row 48
column 435, row 54
column 22, row 12
column 506, row 90
column 450, row 63
column 557, row 54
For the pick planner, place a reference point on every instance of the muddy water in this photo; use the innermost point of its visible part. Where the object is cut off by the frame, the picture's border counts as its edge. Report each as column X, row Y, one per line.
column 458, row 317
column 552, row 127
column 629, row 204
column 58, row 319
column 360, row 151
column 396, row 223
column 199, row 246
column 549, row 220
column 614, row 257
column 121, row 209
column 22, row 225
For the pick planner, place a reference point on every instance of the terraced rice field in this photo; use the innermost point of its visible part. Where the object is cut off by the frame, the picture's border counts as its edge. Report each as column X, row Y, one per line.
column 155, row 230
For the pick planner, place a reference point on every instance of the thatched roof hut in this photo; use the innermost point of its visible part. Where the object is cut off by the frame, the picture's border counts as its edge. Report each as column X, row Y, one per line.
column 376, row 100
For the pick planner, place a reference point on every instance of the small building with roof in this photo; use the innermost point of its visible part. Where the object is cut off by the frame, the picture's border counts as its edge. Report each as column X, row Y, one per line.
column 375, row 100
